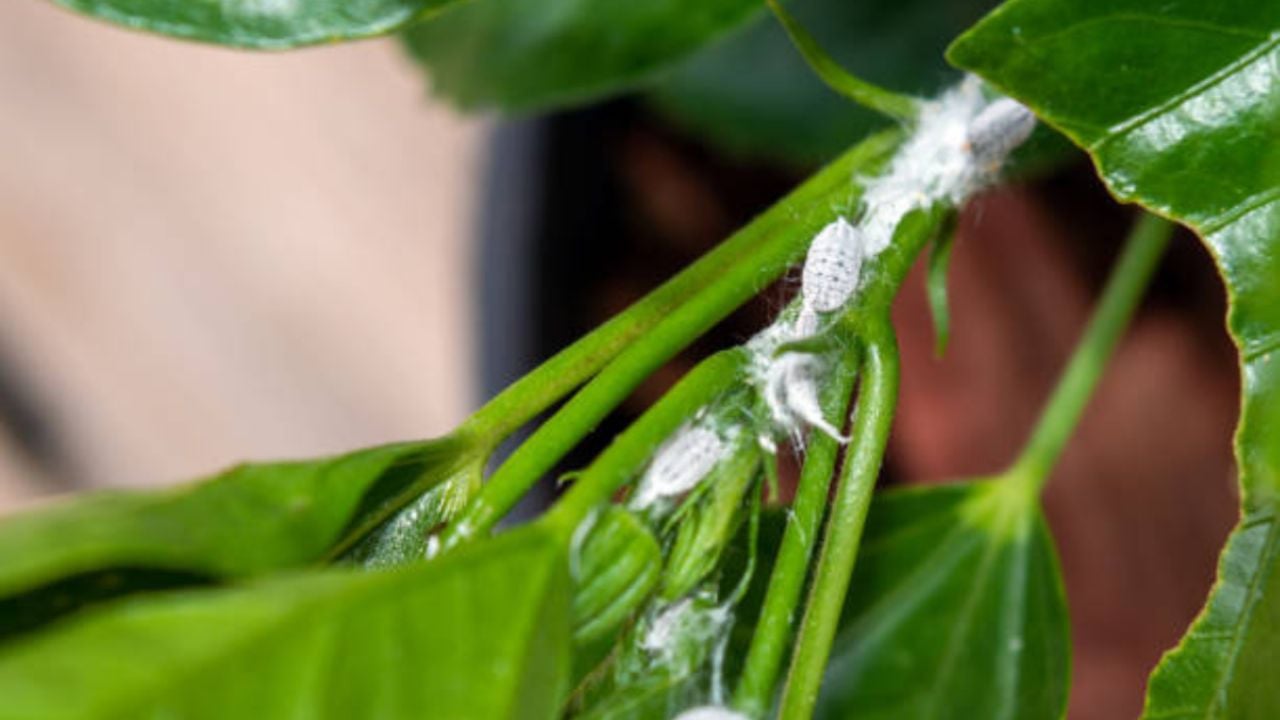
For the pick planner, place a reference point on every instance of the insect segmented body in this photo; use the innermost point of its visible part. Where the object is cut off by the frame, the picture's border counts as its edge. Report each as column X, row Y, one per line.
column 999, row 129
column 680, row 464
column 831, row 268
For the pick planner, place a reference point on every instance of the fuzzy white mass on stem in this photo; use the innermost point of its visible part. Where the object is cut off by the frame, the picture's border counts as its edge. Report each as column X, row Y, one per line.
column 680, row 464
column 960, row 142
column 998, row 130
column 791, row 392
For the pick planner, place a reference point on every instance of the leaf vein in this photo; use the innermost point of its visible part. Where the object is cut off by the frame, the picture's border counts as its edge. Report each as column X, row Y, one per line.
column 959, row 629
column 1218, row 701
column 1127, row 127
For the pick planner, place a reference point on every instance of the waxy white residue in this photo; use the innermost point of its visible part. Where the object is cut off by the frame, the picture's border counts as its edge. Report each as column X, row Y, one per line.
column 960, row 142
column 680, row 464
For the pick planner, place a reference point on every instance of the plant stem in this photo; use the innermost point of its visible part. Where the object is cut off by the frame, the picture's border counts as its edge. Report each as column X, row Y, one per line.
column 1125, row 286
column 764, row 250
column 877, row 395
column 884, row 278
column 633, row 447
column 549, row 382
column 755, row 689
column 871, row 96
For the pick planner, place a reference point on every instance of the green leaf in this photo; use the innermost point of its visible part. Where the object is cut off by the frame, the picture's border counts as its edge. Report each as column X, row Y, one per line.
column 481, row 633
column 250, row 520
column 956, row 610
column 261, row 24
column 753, row 93
column 519, row 55
column 1178, row 104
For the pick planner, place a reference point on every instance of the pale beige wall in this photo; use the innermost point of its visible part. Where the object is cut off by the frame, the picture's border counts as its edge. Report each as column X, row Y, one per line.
column 208, row 255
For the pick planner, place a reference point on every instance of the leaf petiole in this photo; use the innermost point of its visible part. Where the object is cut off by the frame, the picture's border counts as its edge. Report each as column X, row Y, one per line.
column 1142, row 252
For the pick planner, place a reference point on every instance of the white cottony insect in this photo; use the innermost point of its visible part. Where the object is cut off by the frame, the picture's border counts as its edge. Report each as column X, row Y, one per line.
column 680, row 464
column 791, row 392
column 999, row 129
column 831, row 268
column 959, row 145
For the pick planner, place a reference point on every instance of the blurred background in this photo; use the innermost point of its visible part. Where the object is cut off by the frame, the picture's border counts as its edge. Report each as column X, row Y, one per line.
column 209, row 256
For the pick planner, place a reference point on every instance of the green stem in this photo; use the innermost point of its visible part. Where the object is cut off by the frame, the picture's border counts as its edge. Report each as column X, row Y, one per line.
column 884, row 277
column 633, row 447
column 765, row 249
column 754, row 693
column 872, row 419
column 553, row 379
column 1124, row 289
column 871, row 96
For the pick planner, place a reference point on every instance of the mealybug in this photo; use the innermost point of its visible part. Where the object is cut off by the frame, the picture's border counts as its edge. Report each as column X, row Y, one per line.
column 831, row 268
column 680, row 464
column 791, row 392
column 1000, row 128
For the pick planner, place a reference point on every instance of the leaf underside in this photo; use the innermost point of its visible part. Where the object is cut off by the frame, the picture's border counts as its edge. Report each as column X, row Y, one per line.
column 518, row 55
column 1178, row 103
column 259, row 24
column 480, row 634
column 248, row 521
column 956, row 610
column 751, row 92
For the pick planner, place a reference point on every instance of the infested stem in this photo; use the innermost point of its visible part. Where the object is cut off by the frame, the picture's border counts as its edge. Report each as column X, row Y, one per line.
column 630, row 451
column 1125, row 286
column 791, row 565
column 745, row 264
column 871, row 309
column 873, row 417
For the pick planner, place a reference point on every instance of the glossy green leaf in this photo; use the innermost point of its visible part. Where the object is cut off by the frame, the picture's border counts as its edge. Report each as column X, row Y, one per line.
column 518, row 55
column 263, row 24
column 956, row 610
column 1178, row 104
column 250, row 520
column 483, row 633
